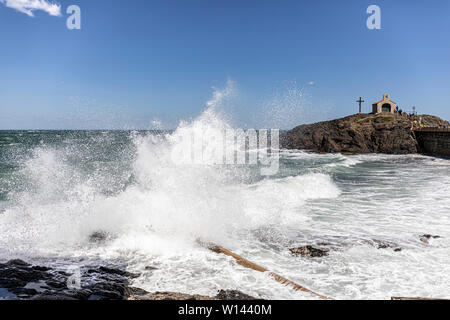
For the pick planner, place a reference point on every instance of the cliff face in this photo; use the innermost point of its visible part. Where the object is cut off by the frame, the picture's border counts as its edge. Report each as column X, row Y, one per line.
column 361, row 133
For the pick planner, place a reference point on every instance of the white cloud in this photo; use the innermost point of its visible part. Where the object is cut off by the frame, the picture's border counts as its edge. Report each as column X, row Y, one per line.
column 28, row 6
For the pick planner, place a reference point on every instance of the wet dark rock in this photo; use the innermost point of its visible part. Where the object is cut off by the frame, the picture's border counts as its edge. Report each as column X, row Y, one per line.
column 99, row 237
column 133, row 291
column 170, row 296
column 17, row 274
column 338, row 243
column 25, row 292
column 116, row 293
column 379, row 244
column 360, row 133
column 139, row 294
column 54, row 297
column 39, row 268
column 323, row 244
column 80, row 294
column 233, row 295
column 308, row 251
column 21, row 280
column 150, row 268
column 17, row 262
column 103, row 270
column 56, row 285
column 26, row 281
column 425, row 238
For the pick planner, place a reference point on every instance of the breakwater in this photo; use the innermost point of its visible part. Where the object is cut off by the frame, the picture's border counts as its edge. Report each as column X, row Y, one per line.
column 434, row 141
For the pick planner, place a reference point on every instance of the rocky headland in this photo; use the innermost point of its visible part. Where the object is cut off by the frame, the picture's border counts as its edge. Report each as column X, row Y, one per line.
column 362, row 133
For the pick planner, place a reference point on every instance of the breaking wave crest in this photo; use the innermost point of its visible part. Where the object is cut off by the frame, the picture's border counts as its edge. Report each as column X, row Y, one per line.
column 67, row 194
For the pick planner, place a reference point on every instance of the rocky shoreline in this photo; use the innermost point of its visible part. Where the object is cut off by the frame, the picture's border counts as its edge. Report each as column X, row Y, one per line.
column 362, row 134
column 20, row 280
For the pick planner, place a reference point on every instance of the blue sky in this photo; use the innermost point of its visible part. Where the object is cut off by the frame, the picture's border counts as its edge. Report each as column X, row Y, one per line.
column 139, row 60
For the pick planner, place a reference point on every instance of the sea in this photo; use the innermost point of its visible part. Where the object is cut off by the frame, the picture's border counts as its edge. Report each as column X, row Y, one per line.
column 76, row 198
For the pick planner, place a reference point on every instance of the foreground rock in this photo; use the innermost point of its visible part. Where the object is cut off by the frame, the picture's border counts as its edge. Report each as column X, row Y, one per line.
column 361, row 133
column 222, row 295
column 382, row 244
column 425, row 238
column 21, row 280
column 169, row 296
column 233, row 295
column 308, row 251
column 323, row 248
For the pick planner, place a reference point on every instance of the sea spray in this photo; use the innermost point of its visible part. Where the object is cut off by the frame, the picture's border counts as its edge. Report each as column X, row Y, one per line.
column 66, row 200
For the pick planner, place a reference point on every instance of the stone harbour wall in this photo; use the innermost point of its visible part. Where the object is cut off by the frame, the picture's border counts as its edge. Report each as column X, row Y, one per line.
column 434, row 141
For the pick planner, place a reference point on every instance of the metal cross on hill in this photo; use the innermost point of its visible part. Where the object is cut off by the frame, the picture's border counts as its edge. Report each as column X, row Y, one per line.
column 360, row 101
